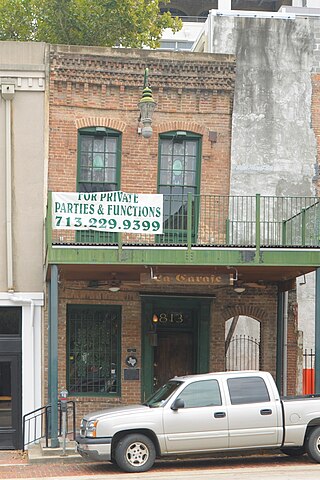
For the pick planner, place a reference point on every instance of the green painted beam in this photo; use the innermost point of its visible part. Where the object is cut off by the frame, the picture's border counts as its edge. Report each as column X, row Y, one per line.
column 175, row 256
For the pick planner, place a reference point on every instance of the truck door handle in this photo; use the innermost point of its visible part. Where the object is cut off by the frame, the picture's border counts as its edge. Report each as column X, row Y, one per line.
column 219, row 414
column 266, row 411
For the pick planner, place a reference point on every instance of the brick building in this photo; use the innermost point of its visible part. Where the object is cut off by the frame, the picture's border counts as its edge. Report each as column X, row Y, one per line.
column 130, row 311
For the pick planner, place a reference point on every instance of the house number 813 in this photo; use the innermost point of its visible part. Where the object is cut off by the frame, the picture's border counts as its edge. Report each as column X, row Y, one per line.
column 171, row 318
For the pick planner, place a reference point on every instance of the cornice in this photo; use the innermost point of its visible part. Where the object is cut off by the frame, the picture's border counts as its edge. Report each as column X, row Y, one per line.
column 173, row 72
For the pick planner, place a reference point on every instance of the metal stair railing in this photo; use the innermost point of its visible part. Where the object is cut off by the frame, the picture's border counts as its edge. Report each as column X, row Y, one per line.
column 36, row 424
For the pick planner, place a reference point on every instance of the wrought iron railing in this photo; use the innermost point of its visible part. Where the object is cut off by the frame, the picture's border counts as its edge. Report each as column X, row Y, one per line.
column 243, row 353
column 36, row 424
column 216, row 220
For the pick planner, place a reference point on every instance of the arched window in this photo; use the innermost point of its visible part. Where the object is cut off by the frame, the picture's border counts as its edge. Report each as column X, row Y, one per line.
column 179, row 175
column 99, row 155
column 242, row 343
column 99, row 159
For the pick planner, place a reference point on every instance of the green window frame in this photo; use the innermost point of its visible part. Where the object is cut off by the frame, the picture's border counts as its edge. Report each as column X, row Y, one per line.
column 179, row 176
column 99, row 169
column 93, row 350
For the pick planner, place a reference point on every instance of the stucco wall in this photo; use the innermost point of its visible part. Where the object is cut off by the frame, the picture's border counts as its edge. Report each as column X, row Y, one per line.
column 23, row 64
column 274, row 148
column 273, row 144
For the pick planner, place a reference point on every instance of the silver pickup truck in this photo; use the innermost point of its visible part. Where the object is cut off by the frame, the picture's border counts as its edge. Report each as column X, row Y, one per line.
column 196, row 414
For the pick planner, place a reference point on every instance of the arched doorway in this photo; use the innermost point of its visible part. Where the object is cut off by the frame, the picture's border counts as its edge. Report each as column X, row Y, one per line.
column 242, row 343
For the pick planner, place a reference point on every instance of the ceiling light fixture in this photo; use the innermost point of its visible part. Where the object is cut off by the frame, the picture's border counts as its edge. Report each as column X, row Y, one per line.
column 114, row 283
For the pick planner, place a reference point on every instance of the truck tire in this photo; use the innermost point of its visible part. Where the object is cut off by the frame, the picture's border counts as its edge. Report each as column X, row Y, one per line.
column 293, row 451
column 313, row 444
column 135, row 453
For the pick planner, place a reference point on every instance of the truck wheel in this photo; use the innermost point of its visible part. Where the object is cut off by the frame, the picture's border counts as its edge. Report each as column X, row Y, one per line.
column 313, row 445
column 293, row 451
column 135, row 453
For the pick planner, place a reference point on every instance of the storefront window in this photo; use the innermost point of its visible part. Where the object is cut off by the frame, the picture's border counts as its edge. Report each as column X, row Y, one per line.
column 93, row 350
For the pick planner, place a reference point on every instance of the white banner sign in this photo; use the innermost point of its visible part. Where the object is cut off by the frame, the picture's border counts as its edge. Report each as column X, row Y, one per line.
column 108, row 212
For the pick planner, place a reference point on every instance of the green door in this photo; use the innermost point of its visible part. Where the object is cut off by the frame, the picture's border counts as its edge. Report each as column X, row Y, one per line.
column 175, row 338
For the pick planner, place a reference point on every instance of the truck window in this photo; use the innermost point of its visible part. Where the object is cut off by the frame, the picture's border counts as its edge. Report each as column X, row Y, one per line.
column 247, row 390
column 159, row 398
column 205, row 393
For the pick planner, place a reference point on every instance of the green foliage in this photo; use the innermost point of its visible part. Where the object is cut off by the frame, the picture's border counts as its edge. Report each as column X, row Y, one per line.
column 129, row 23
column 16, row 20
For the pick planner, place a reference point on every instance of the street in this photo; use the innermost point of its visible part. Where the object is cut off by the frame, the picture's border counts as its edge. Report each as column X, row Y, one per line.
column 238, row 468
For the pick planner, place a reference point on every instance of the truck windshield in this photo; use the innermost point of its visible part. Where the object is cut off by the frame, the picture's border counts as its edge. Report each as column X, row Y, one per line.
column 159, row 398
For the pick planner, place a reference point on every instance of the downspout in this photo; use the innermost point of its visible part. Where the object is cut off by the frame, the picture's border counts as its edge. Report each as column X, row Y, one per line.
column 209, row 34
column 7, row 92
column 285, row 344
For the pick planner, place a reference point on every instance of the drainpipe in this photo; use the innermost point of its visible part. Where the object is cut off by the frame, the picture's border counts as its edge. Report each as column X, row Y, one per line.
column 7, row 92
column 285, row 344
column 209, row 35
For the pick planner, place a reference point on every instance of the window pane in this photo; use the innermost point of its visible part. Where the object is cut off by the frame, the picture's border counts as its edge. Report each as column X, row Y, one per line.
column 98, row 160
column 166, row 162
column 5, row 395
column 165, row 177
column 247, row 390
column 166, row 147
column 191, row 148
column 201, row 394
column 111, row 160
column 10, row 320
column 93, row 336
column 111, row 175
column 190, row 163
column 86, row 143
column 86, row 159
column 98, row 175
column 111, row 145
column 178, row 148
column 98, row 144
column 189, row 178
column 85, row 174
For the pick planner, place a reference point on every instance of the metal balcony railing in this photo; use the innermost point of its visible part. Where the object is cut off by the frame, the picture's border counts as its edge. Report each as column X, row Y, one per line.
column 216, row 221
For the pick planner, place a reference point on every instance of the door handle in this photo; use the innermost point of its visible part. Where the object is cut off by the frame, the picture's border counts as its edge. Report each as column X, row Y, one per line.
column 219, row 414
column 266, row 411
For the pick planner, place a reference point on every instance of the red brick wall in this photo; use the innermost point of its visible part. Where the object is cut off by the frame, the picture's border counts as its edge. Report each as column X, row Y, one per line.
column 260, row 305
column 194, row 92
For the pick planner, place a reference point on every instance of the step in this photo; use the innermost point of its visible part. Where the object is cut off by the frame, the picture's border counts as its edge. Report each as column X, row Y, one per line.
column 38, row 453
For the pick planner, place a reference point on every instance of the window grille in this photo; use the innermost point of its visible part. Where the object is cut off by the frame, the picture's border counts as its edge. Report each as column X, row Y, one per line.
column 93, row 349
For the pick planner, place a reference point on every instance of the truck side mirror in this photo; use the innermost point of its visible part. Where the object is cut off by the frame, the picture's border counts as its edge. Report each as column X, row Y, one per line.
column 178, row 403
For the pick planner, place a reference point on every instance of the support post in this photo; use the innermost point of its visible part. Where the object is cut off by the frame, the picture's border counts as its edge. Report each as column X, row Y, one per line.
column 279, row 366
column 258, row 240
column 285, row 345
column 53, row 360
column 317, row 333
column 189, row 221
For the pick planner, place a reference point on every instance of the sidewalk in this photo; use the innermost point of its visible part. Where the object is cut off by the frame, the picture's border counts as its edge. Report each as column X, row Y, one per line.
column 14, row 465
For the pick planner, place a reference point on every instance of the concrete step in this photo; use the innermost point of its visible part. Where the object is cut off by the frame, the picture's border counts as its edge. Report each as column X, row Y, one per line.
column 39, row 453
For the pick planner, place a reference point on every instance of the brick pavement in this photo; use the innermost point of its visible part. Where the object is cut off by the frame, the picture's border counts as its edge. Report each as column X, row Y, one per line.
column 14, row 464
